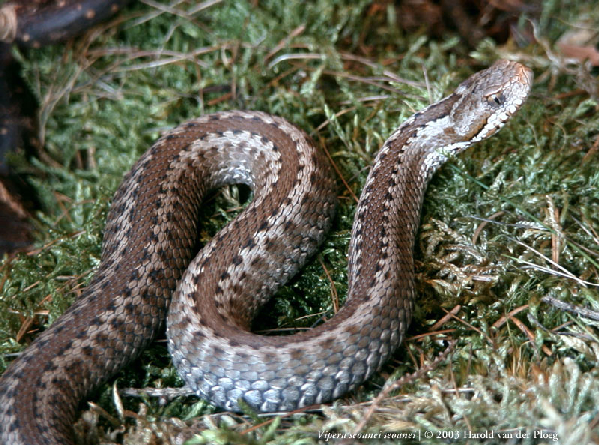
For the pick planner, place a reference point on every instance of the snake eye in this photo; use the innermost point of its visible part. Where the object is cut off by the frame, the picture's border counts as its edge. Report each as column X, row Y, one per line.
column 495, row 100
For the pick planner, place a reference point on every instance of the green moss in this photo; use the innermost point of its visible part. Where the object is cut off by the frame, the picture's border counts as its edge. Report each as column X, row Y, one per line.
column 493, row 219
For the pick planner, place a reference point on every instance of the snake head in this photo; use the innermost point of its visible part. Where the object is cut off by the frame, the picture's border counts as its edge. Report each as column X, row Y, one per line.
column 487, row 99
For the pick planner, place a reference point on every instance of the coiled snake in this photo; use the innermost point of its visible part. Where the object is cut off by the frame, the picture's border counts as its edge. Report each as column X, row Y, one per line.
column 151, row 232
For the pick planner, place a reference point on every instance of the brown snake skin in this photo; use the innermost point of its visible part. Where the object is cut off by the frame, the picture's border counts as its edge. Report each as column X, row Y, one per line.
column 149, row 240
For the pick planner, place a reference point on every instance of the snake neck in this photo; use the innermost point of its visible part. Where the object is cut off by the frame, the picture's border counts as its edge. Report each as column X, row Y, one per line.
column 398, row 179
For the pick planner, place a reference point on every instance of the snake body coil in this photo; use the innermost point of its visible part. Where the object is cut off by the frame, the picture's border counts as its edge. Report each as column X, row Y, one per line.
column 151, row 232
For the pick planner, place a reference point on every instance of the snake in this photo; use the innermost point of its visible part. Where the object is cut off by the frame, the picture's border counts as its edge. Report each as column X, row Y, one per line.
column 148, row 271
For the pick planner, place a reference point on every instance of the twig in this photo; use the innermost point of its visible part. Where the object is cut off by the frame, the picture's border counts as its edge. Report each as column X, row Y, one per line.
column 586, row 313
column 402, row 381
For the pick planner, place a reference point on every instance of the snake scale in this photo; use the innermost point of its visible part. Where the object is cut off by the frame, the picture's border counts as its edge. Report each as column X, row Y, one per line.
column 149, row 241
